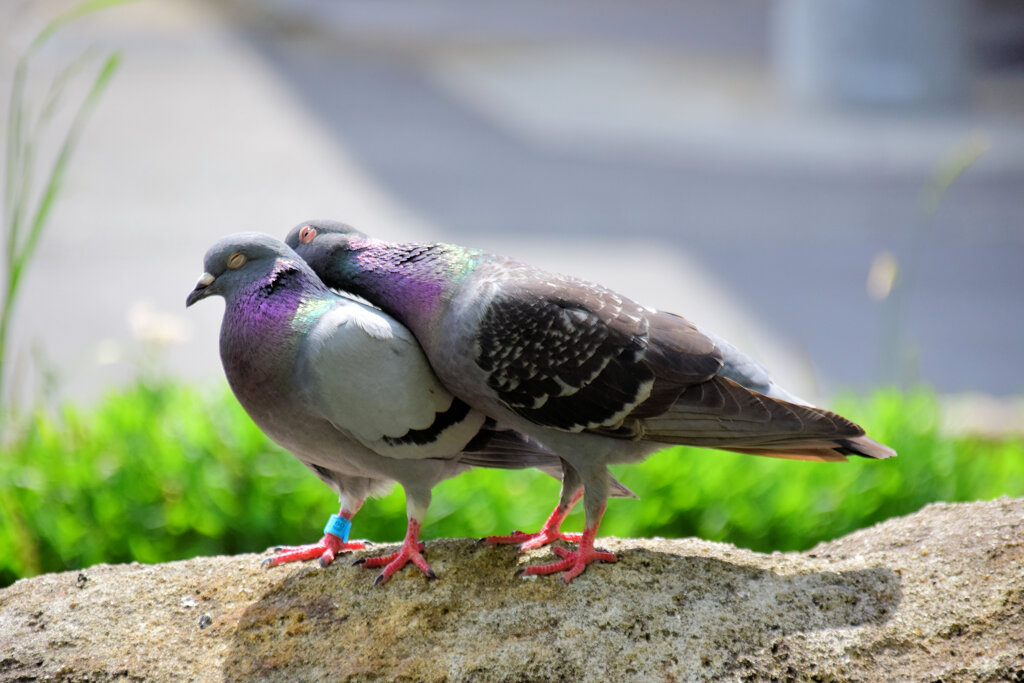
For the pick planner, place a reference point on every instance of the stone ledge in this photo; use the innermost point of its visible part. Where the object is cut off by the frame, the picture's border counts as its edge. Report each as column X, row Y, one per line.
column 935, row 595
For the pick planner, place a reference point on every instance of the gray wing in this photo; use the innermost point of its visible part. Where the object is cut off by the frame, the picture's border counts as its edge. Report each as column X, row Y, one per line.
column 366, row 374
column 747, row 372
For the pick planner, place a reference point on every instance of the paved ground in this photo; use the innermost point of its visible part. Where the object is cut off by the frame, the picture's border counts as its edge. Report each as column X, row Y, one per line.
column 644, row 150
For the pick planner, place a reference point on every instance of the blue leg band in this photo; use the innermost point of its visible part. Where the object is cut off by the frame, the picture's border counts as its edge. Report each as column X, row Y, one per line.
column 338, row 526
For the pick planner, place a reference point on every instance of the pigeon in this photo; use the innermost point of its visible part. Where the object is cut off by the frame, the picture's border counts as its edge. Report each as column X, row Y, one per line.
column 597, row 378
column 348, row 391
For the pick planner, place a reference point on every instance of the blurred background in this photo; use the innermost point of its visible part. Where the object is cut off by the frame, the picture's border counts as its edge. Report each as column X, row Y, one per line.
column 741, row 163
column 836, row 187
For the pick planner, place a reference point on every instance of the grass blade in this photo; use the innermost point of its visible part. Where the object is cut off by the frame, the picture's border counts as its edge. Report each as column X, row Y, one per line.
column 19, row 167
column 24, row 253
column 59, row 169
column 71, row 15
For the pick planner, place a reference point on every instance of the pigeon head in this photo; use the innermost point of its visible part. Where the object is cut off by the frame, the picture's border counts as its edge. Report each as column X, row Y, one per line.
column 241, row 259
column 325, row 244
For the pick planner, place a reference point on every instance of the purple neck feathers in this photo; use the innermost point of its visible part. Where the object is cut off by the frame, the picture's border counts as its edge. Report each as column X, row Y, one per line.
column 260, row 331
column 410, row 281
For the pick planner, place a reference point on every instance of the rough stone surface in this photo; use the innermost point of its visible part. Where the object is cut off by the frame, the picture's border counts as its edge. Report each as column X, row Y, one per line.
column 937, row 595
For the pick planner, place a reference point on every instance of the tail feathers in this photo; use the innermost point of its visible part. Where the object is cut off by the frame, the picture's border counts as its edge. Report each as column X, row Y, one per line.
column 834, row 451
column 722, row 414
column 868, row 448
column 813, row 454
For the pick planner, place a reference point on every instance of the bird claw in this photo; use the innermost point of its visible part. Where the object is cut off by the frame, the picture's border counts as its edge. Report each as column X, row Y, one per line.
column 409, row 552
column 549, row 533
column 514, row 537
column 573, row 563
column 527, row 541
column 324, row 551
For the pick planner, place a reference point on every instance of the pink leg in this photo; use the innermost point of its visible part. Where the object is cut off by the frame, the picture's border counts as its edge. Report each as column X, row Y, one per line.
column 573, row 562
column 326, row 548
column 411, row 551
column 548, row 533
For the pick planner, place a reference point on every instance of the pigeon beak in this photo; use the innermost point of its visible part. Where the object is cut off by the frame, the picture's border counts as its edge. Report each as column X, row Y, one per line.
column 201, row 291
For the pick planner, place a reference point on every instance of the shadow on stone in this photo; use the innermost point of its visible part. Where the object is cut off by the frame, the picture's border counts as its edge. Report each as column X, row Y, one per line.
column 656, row 612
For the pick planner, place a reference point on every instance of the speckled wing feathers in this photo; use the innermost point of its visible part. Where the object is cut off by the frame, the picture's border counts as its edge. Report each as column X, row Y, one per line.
column 577, row 357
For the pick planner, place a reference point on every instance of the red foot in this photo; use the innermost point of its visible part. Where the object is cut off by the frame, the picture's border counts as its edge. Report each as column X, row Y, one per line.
column 326, row 549
column 535, row 540
column 573, row 563
column 549, row 533
column 411, row 551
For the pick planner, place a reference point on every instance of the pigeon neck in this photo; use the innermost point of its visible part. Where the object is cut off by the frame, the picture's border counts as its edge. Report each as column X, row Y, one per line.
column 261, row 322
column 410, row 281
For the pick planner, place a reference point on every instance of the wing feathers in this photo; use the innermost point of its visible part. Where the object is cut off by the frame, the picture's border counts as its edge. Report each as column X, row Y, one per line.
column 574, row 356
column 362, row 370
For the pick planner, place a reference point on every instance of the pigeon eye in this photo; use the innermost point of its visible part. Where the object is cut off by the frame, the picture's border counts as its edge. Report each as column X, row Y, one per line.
column 307, row 234
column 236, row 260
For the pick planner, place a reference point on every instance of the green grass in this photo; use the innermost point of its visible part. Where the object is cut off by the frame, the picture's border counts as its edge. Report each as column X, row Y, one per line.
column 166, row 471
